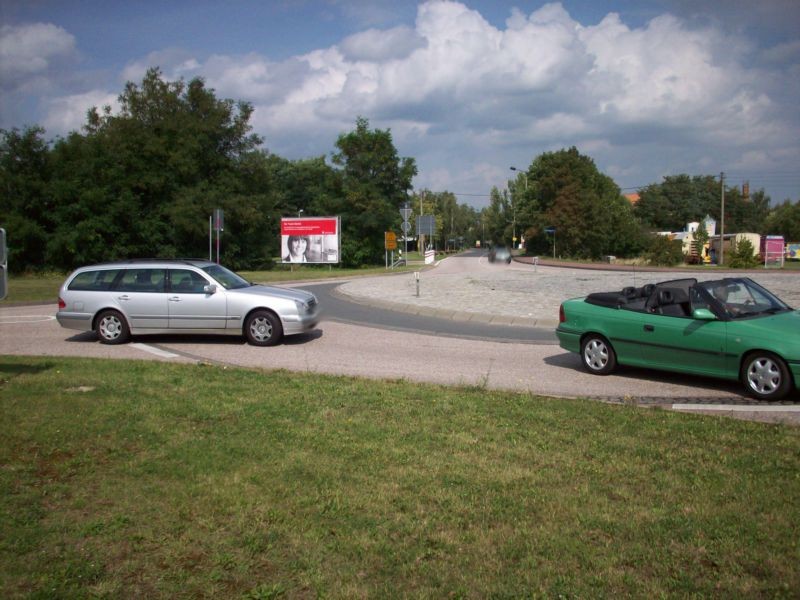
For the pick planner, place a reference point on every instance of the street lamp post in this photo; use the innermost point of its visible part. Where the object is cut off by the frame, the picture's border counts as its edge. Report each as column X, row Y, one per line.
column 524, row 174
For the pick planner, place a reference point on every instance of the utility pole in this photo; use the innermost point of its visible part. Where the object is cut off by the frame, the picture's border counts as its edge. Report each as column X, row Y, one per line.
column 420, row 236
column 514, row 205
column 722, row 220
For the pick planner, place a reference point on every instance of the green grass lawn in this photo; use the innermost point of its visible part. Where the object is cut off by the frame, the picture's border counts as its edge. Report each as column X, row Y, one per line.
column 143, row 479
column 34, row 288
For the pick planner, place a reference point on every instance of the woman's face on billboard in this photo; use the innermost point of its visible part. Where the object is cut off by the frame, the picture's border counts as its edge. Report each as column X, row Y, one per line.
column 298, row 246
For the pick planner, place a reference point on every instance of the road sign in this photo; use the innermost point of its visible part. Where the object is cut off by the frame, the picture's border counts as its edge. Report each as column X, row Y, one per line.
column 426, row 225
column 406, row 227
column 405, row 212
column 549, row 229
column 390, row 240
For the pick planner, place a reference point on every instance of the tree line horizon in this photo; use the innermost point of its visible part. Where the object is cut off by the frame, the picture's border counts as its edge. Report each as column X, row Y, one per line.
column 142, row 182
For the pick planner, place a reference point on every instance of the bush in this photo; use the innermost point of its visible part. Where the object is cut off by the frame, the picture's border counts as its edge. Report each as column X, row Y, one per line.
column 743, row 255
column 664, row 252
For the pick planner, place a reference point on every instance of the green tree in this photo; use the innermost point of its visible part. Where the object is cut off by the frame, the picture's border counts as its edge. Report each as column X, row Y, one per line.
column 566, row 191
column 144, row 181
column 425, row 202
column 454, row 222
column 663, row 251
column 682, row 199
column 375, row 184
column 784, row 220
column 743, row 255
column 25, row 206
column 700, row 239
column 497, row 218
column 463, row 225
column 678, row 200
column 745, row 214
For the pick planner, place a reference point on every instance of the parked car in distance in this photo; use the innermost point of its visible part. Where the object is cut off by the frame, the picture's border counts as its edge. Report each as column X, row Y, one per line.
column 139, row 297
column 729, row 328
column 500, row 254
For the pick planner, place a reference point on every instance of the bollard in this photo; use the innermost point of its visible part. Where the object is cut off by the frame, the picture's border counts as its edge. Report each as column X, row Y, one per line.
column 416, row 276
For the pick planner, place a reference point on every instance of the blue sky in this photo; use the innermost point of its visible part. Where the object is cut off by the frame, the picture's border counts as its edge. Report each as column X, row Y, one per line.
column 647, row 88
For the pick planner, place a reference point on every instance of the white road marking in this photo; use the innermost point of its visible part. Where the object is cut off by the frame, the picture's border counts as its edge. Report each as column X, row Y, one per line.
column 738, row 407
column 153, row 350
column 26, row 319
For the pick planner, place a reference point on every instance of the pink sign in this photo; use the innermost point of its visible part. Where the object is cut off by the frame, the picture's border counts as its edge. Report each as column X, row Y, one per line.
column 310, row 240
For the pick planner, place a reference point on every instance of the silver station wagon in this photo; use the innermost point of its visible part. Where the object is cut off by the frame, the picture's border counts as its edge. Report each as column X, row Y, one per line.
column 139, row 297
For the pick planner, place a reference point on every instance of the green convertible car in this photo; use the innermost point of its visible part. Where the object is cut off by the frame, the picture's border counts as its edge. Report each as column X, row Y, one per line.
column 730, row 328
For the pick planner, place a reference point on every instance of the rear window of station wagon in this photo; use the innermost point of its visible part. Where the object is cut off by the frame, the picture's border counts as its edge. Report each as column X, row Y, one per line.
column 94, row 281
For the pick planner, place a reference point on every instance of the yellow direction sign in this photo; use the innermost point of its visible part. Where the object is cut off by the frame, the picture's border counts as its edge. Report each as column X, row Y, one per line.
column 390, row 240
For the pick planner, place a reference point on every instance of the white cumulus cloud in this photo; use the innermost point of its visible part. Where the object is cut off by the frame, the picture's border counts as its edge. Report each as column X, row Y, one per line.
column 68, row 113
column 467, row 97
column 377, row 45
column 28, row 52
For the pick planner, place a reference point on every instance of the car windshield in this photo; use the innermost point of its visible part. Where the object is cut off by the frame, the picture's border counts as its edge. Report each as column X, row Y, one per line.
column 742, row 297
column 227, row 279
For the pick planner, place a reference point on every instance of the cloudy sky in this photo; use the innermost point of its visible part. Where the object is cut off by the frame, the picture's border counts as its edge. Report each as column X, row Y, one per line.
column 647, row 88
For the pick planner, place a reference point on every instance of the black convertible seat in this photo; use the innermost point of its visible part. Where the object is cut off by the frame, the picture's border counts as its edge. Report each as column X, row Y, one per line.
column 630, row 297
column 609, row 299
column 673, row 302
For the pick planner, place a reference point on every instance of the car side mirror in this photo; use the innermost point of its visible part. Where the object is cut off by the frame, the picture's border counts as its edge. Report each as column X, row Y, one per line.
column 703, row 314
column 210, row 289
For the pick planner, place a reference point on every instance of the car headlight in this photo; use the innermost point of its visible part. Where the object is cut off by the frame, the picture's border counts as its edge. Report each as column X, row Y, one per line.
column 302, row 307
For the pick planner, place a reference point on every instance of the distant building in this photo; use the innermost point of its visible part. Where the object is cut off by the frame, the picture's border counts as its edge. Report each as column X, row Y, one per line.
column 633, row 198
column 711, row 250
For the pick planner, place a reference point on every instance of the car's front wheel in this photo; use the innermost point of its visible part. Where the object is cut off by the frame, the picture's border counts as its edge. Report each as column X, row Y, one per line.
column 263, row 328
column 112, row 328
column 597, row 355
column 766, row 376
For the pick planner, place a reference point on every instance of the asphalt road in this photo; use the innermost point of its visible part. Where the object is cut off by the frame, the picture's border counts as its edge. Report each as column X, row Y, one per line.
column 343, row 309
column 359, row 340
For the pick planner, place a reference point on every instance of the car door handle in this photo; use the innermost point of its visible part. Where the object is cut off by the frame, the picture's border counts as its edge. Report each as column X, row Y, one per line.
column 124, row 297
column 649, row 328
column 175, row 299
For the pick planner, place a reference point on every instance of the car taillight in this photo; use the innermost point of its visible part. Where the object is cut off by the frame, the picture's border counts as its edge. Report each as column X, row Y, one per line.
column 561, row 316
column 61, row 304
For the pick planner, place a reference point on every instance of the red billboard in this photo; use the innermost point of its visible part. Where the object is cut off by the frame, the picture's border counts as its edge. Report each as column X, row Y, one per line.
column 310, row 240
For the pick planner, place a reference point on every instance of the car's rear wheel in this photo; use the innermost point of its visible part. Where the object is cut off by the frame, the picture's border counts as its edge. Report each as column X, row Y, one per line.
column 597, row 355
column 766, row 376
column 263, row 328
column 112, row 328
